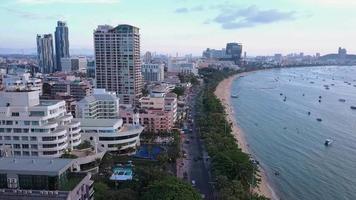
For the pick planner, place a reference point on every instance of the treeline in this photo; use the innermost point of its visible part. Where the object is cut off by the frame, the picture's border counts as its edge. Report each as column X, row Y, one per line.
column 233, row 172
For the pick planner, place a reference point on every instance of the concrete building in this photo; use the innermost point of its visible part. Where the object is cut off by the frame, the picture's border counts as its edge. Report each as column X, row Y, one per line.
column 34, row 127
column 45, row 54
column 153, row 72
column 111, row 134
column 76, row 88
column 21, row 82
column 157, row 113
column 147, row 58
column 62, row 43
column 182, row 65
column 121, row 71
column 66, row 64
column 78, row 64
column 43, row 179
column 100, row 105
column 234, row 50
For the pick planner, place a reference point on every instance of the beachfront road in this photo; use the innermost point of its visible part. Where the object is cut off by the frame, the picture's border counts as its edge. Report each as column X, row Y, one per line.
column 198, row 165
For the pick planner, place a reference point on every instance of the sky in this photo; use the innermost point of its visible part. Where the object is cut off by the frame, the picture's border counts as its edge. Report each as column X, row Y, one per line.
column 264, row 27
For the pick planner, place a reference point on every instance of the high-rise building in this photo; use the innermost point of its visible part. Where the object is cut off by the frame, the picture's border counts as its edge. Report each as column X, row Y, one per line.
column 45, row 53
column 62, row 43
column 118, row 65
column 153, row 72
column 147, row 58
column 234, row 50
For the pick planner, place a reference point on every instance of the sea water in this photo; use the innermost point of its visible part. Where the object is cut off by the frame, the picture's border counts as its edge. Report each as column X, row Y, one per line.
column 278, row 110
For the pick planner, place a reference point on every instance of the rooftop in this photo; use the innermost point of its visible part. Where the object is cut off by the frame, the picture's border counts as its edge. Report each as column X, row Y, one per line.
column 34, row 166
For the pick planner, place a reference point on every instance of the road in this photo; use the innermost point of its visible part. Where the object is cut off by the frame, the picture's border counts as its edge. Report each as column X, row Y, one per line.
column 196, row 162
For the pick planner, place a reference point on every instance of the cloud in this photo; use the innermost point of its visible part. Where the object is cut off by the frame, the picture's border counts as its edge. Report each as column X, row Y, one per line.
column 234, row 18
column 69, row 1
column 181, row 10
column 186, row 10
column 30, row 15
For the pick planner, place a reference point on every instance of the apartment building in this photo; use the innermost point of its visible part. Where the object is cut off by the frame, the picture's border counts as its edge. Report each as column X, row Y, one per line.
column 117, row 59
column 100, row 105
column 34, row 127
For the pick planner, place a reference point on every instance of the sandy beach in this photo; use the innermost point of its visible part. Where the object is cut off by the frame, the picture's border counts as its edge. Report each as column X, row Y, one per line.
column 223, row 93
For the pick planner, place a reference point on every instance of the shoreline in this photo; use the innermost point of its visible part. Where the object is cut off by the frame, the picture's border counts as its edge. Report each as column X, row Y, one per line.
column 223, row 93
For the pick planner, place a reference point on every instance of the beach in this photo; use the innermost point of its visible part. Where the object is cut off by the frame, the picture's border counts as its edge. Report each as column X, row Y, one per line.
column 223, row 93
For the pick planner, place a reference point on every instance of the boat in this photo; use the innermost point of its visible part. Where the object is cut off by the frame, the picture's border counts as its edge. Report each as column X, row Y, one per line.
column 342, row 100
column 328, row 142
column 234, row 96
column 319, row 119
column 353, row 107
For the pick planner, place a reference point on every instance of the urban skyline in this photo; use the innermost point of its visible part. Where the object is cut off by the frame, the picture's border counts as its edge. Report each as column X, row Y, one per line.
column 323, row 24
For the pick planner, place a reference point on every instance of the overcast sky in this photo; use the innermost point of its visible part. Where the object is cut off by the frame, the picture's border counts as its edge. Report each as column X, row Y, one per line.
column 264, row 27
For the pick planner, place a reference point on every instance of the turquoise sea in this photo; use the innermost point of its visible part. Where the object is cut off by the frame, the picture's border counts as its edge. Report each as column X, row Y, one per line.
column 287, row 140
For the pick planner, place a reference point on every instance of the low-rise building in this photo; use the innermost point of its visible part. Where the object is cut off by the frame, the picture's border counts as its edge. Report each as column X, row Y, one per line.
column 43, row 179
column 34, row 127
column 111, row 134
column 21, row 82
column 76, row 88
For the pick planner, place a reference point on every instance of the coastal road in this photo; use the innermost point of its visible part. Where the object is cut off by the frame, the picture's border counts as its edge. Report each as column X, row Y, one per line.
column 197, row 163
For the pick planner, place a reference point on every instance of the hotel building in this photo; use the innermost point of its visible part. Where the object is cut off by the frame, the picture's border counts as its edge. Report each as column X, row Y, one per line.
column 100, row 105
column 117, row 58
column 33, row 127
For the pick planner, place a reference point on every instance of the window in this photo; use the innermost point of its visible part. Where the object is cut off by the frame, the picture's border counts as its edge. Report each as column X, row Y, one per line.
column 17, row 153
column 34, row 146
column 15, row 114
column 27, row 123
column 25, row 138
column 26, row 153
column 26, row 130
column 34, row 153
column 49, row 145
column 35, row 123
column 37, row 113
column 49, row 152
column 7, row 138
column 33, row 138
column 51, row 138
column 16, row 138
column 2, row 130
column 17, row 130
column 8, row 122
column 17, row 146
column 25, row 146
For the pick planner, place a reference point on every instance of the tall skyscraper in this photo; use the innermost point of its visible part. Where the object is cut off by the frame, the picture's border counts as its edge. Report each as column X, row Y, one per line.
column 62, row 43
column 234, row 50
column 45, row 53
column 117, row 57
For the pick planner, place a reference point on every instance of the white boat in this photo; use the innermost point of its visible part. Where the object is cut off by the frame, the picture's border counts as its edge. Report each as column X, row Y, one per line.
column 328, row 142
column 235, row 96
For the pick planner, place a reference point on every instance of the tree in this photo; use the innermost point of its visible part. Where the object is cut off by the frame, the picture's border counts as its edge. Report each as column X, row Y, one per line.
column 170, row 188
column 179, row 91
